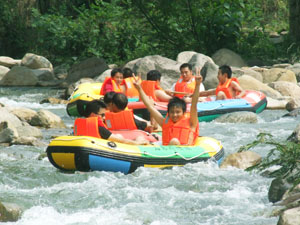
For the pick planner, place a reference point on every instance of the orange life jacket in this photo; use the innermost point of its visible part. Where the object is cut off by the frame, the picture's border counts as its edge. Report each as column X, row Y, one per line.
column 225, row 88
column 131, row 91
column 116, row 88
column 149, row 87
column 88, row 127
column 120, row 120
column 183, row 86
column 180, row 130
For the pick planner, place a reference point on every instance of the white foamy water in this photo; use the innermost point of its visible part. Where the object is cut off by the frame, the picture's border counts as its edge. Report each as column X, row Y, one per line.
column 199, row 193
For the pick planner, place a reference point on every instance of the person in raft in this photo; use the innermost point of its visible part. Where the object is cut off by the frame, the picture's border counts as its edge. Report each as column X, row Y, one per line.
column 121, row 118
column 178, row 127
column 228, row 87
column 94, row 125
column 152, row 88
column 113, row 83
column 185, row 85
column 128, row 88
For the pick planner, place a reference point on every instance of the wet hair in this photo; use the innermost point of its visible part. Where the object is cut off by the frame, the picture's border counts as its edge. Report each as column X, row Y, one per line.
column 226, row 69
column 153, row 75
column 177, row 102
column 120, row 101
column 115, row 71
column 94, row 107
column 184, row 65
column 108, row 97
column 127, row 72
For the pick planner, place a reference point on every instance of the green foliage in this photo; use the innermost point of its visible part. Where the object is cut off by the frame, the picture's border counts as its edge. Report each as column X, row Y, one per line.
column 286, row 155
column 122, row 30
column 14, row 32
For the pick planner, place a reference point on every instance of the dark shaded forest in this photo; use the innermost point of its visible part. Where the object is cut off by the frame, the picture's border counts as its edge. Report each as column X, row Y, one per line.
column 121, row 30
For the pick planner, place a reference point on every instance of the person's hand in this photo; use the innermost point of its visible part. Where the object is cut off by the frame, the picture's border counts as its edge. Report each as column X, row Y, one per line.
column 136, row 81
column 169, row 92
column 198, row 77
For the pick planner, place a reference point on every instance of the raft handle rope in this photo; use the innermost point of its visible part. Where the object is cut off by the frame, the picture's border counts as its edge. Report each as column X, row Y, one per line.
column 138, row 153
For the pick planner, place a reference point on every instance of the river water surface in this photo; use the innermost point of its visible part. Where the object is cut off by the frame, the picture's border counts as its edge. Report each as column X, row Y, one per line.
column 198, row 193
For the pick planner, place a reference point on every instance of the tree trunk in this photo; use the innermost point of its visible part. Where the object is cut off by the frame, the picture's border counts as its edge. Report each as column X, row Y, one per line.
column 294, row 6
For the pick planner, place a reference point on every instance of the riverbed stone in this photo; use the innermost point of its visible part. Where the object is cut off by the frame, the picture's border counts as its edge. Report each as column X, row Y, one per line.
column 101, row 78
column 249, row 83
column 185, row 56
column 277, row 189
column 227, row 57
column 295, row 136
column 3, row 70
column 278, row 74
column 47, row 119
column 9, row 212
column 24, row 114
column 290, row 217
column 19, row 76
column 8, row 133
column 293, row 105
column 238, row 72
column 26, row 130
column 90, row 67
column 6, row 115
column 276, row 104
column 286, row 88
column 238, row 117
column 9, row 62
column 52, row 100
column 209, row 71
column 241, row 160
column 34, row 61
column 296, row 69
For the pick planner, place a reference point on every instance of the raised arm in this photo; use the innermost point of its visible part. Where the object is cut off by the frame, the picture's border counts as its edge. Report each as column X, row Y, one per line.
column 194, row 114
column 153, row 111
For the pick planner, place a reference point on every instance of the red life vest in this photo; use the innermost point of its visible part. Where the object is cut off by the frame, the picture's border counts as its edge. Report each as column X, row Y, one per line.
column 180, row 130
column 88, row 126
column 131, row 91
column 225, row 88
column 149, row 87
column 116, row 88
column 183, row 86
column 120, row 120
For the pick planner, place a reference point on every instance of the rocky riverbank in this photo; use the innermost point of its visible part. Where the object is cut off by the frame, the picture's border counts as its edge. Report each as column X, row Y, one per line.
column 279, row 83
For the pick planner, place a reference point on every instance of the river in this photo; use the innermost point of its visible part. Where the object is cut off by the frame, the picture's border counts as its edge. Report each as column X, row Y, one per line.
column 198, row 193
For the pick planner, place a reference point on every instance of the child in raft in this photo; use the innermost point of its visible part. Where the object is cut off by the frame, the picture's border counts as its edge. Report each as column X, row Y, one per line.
column 179, row 127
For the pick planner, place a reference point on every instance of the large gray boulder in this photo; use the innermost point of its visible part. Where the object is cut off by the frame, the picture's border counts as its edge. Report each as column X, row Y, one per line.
column 209, row 71
column 199, row 60
column 91, row 68
column 184, row 57
column 227, row 57
column 278, row 74
column 19, row 76
column 286, row 89
column 296, row 69
column 250, row 83
column 168, row 68
column 3, row 70
column 34, row 61
column 237, row 72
